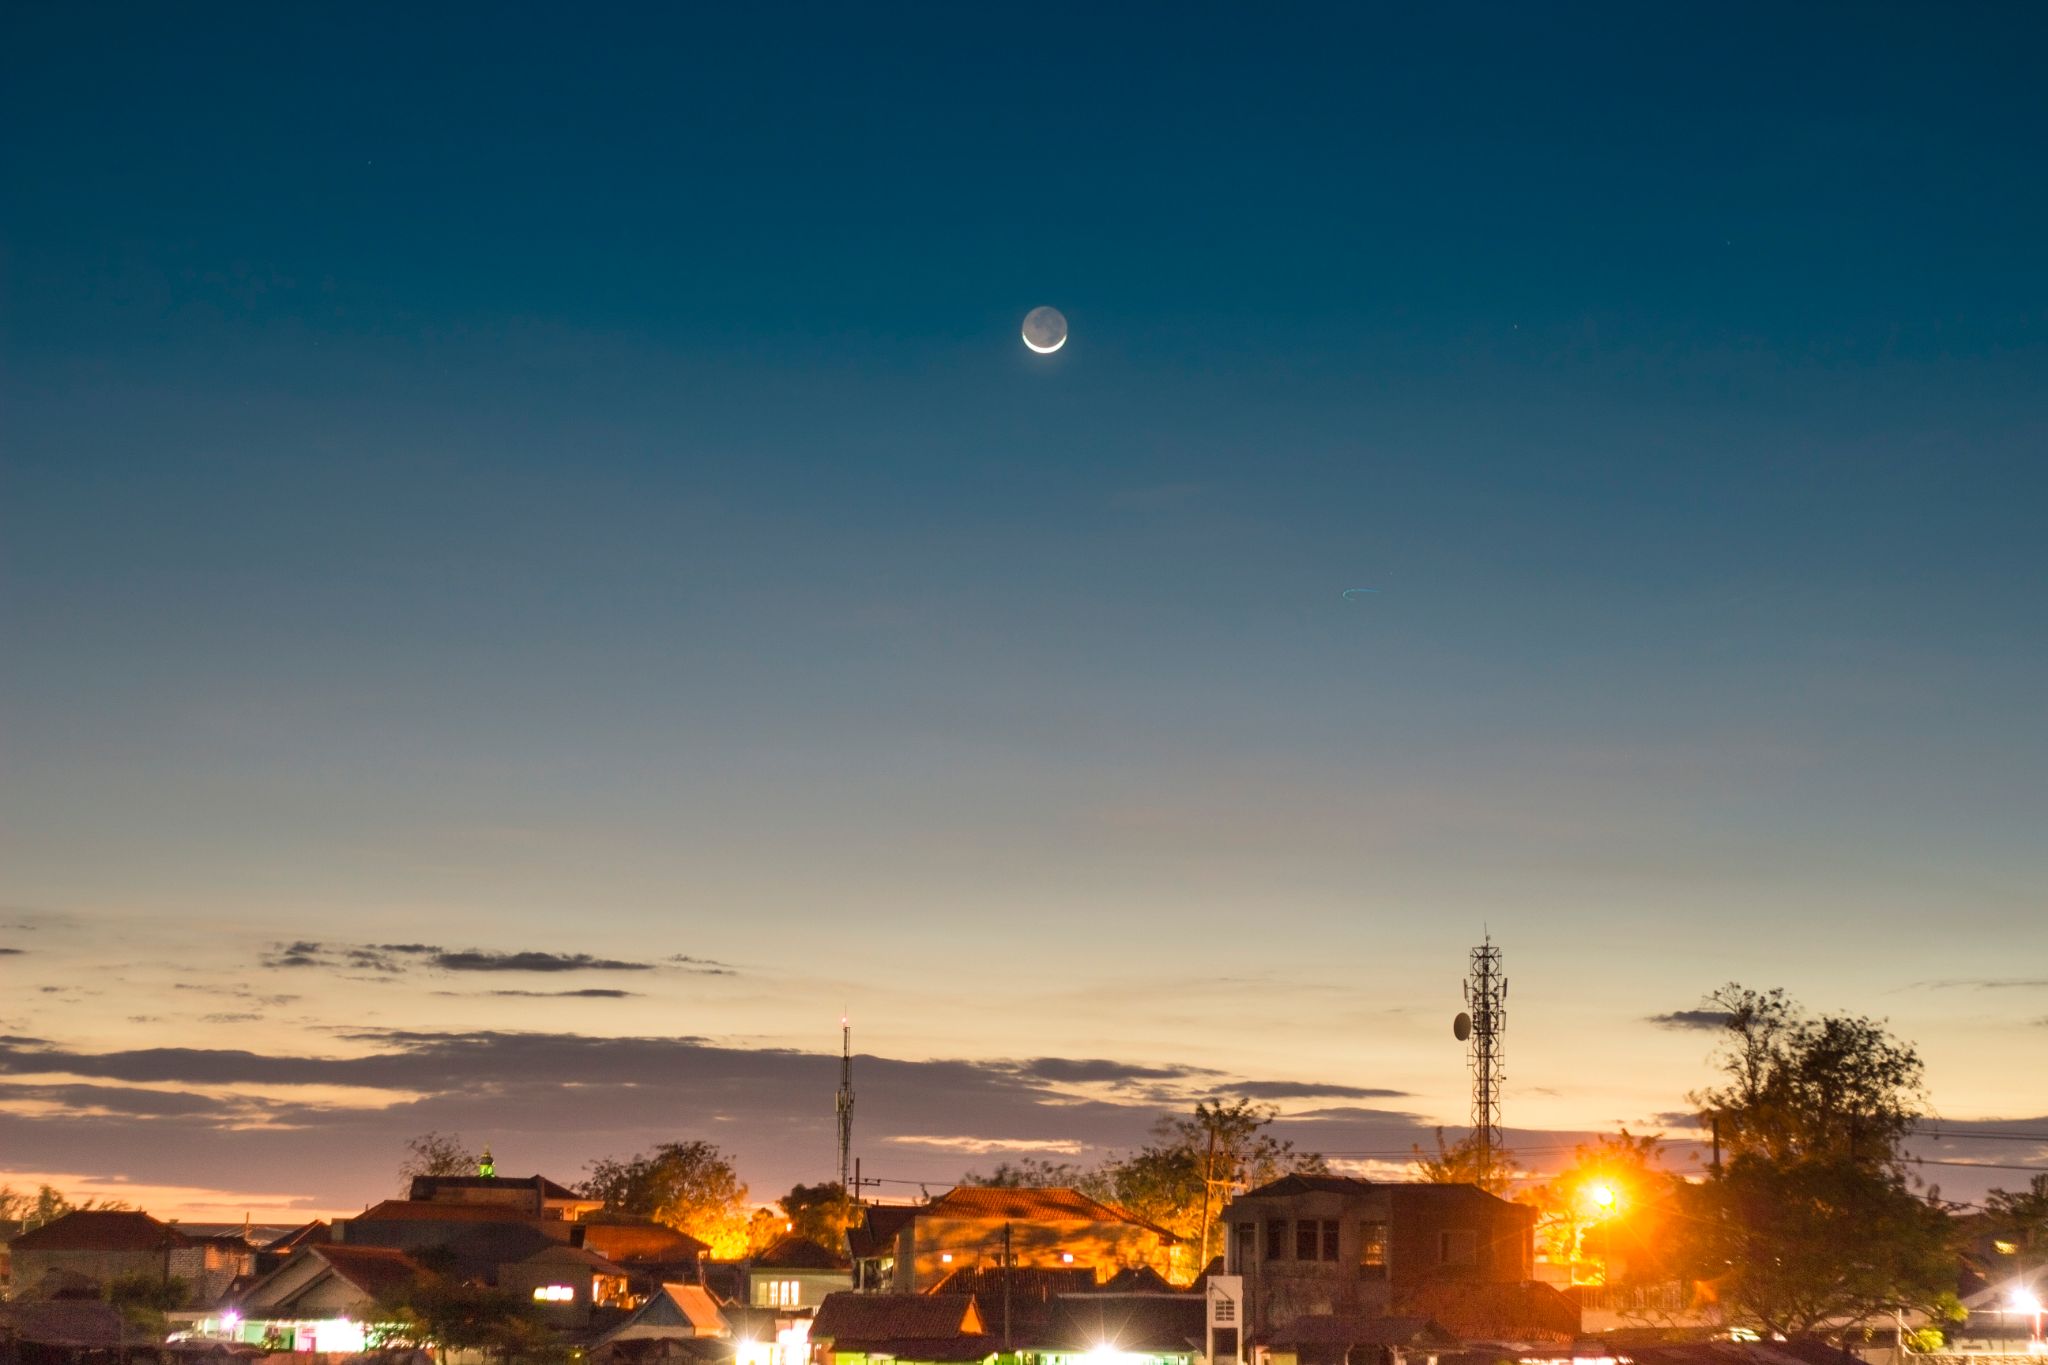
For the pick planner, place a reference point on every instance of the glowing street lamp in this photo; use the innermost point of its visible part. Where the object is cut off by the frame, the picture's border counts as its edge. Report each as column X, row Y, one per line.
column 2024, row 1300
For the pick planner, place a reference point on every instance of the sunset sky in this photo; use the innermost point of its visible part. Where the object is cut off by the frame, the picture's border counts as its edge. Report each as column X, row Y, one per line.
column 535, row 570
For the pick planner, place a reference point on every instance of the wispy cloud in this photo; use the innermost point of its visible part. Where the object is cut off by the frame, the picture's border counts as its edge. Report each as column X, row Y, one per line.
column 982, row 1146
column 395, row 958
column 1691, row 1019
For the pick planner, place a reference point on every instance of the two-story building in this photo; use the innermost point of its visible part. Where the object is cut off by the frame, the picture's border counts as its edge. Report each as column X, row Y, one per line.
column 1321, row 1246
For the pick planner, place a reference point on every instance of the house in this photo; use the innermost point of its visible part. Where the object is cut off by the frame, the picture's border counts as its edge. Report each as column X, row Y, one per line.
column 46, row 1332
column 1311, row 1246
column 1138, row 1329
column 641, row 1244
column 319, row 1300
column 87, row 1249
column 467, row 1240
column 909, row 1250
column 795, row 1273
column 942, row 1329
column 674, row 1310
column 570, row 1283
column 535, row 1196
column 1354, row 1340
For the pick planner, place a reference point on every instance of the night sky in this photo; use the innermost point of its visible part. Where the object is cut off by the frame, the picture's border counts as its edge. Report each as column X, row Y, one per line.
column 535, row 569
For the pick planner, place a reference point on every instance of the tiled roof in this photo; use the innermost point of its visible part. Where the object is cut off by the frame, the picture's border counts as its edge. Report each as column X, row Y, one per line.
column 431, row 1211
column 1038, row 1283
column 1144, row 1323
column 960, row 1350
column 564, row 1254
column 376, row 1271
column 423, row 1186
column 102, row 1230
column 798, row 1253
column 1051, row 1203
column 1357, row 1331
column 312, row 1234
column 874, row 1317
column 1299, row 1183
column 875, row 1234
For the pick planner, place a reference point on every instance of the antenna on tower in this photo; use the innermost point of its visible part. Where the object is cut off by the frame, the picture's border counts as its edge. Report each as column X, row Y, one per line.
column 845, row 1107
column 1482, row 1028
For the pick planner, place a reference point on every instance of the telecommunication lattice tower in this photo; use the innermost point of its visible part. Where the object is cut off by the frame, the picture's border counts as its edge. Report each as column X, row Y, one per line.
column 1486, row 1000
column 844, row 1105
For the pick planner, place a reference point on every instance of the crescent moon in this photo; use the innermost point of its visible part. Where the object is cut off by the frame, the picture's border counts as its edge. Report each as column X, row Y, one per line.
column 1045, row 329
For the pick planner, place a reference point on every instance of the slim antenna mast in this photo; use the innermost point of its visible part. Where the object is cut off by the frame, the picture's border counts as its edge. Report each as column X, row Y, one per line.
column 845, row 1107
column 1486, row 999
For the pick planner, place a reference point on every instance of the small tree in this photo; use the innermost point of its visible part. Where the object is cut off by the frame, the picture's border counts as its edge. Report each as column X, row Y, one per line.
column 446, row 1316
column 690, row 1186
column 144, row 1299
column 2019, row 1218
column 1184, row 1177
column 435, row 1154
column 1459, row 1163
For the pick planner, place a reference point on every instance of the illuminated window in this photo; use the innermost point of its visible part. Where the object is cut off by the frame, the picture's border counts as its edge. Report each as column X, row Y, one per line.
column 554, row 1293
column 1372, row 1249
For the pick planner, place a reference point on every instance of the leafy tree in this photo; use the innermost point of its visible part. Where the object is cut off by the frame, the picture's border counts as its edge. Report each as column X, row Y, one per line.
column 144, row 1299
column 446, row 1317
column 46, row 1205
column 1035, row 1173
column 819, row 1213
column 1812, row 1219
column 690, row 1186
column 435, row 1154
column 1182, row 1179
column 2020, row 1219
column 1458, row 1163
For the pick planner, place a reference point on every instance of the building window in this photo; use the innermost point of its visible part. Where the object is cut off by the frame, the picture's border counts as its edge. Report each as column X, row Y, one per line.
column 554, row 1293
column 1245, row 1251
column 1315, row 1239
column 1276, row 1239
column 1457, row 1247
column 1372, row 1250
column 780, row 1294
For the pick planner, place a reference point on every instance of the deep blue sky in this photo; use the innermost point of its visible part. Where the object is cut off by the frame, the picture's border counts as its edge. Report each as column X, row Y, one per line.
column 543, row 482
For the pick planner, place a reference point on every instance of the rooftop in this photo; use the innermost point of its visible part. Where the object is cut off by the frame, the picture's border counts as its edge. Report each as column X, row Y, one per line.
column 848, row 1316
column 101, row 1230
column 1052, row 1203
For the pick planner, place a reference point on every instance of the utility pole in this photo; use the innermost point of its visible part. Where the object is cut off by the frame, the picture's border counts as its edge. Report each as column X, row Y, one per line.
column 1009, row 1254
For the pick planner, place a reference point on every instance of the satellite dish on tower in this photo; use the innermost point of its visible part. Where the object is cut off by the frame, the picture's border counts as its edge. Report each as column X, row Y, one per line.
column 1461, row 1027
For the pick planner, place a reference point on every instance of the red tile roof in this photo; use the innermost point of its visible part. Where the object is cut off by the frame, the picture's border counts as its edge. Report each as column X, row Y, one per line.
column 1047, row 1204
column 798, row 1253
column 101, row 1230
column 849, row 1316
column 376, row 1271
